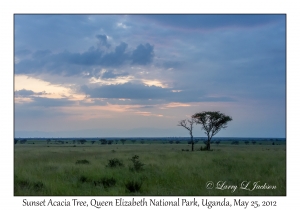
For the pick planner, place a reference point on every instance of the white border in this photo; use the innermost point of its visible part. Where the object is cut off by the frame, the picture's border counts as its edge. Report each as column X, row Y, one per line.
column 8, row 8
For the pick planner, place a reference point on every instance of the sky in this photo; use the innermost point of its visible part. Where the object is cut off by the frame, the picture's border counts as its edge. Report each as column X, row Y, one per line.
column 139, row 75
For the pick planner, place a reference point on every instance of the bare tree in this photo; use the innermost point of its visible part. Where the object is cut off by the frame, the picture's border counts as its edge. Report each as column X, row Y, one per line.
column 188, row 124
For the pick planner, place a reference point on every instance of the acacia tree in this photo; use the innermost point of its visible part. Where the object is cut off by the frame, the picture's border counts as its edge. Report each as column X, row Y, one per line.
column 188, row 124
column 212, row 123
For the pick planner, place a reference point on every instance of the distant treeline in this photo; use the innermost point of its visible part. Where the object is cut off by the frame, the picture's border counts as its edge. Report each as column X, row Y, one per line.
column 156, row 138
column 170, row 140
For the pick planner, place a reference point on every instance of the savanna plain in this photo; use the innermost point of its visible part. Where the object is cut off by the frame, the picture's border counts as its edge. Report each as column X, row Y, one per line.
column 149, row 168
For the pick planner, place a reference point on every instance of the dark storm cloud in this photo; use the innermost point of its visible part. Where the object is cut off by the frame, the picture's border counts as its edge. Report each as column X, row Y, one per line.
column 24, row 92
column 143, row 54
column 116, row 58
column 27, row 93
column 61, row 63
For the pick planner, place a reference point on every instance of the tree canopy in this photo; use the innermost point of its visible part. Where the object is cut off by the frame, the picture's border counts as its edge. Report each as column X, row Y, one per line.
column 212, row 123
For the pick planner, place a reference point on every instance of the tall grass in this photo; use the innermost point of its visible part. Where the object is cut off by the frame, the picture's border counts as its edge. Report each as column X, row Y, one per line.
column 167, row 170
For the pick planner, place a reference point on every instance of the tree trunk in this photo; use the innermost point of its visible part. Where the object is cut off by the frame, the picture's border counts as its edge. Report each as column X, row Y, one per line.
column 208, row 143
column 192, row 139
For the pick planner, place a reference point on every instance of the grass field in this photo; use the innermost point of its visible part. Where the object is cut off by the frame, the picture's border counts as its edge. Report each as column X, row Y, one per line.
column 158, row 169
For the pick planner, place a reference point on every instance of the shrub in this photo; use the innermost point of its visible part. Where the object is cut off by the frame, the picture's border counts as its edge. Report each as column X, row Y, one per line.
column 23, row 141
column 82, row 141
column 203, row 148
column 82, row 162
column 103, row 141
column 133, row 186
column 137, row 165
column 23, row 183
column 235, row 142
column 36, row 186
column 108, row 182
column 113, row 163
column 83, row 179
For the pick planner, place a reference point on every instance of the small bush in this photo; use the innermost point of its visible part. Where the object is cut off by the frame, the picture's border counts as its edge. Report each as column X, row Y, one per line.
column 137, row 165
column 23, row 183
column 37, row 186
column 82, row 162
column 107, row 182
column 203, row 148
column 133, row 186
column 83, row 179
column 113, row 163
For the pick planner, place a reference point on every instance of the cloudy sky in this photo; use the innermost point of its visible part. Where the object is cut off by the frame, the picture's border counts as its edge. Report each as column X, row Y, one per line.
column 138, row 75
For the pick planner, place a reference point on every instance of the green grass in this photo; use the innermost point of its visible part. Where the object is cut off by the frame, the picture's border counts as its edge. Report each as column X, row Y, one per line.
column 41, row 169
